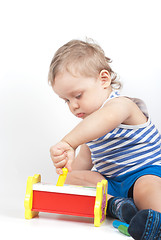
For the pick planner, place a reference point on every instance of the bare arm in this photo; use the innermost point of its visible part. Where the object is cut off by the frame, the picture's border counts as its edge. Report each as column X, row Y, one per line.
column 99, row 123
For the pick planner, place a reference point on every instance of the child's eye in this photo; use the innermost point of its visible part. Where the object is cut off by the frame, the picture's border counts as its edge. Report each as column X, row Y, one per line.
column 66, row 100
column 79, row 96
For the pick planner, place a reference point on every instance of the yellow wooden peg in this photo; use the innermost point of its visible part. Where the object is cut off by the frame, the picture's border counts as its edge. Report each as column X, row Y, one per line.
column 62, row 177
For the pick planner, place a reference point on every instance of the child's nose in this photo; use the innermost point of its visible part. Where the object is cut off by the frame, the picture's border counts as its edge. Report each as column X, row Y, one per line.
column 75, row 104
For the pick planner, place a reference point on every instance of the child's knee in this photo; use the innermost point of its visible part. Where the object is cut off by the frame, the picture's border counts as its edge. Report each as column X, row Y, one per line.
column 142, row 189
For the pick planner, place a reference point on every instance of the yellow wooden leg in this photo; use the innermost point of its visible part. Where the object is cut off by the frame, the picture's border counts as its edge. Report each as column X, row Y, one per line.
column 100, row 203
column 62, row 177
column 29, row 196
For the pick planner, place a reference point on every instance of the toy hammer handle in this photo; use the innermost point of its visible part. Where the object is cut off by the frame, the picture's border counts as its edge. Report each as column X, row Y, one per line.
column 62, row 177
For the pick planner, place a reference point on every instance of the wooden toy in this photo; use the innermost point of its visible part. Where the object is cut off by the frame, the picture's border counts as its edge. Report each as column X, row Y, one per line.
column 117, row 223
column 121, row 226
column 65, row 199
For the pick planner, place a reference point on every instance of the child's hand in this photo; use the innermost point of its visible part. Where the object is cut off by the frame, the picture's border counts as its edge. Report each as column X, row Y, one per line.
column 62, row 155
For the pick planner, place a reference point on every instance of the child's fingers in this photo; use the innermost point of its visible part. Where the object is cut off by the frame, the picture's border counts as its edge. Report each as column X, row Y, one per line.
column 60, row 164
column 70, row 158
column 68, row 165
column 55, row 152
column 57, row 159
column 59, row 171
column 62, row 155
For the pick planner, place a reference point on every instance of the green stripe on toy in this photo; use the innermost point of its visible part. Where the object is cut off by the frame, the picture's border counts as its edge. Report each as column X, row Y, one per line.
column 121, row 226
column 123, row 229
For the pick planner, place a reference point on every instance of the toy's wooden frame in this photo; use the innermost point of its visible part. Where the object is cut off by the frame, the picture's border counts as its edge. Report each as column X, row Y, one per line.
column 63, row 202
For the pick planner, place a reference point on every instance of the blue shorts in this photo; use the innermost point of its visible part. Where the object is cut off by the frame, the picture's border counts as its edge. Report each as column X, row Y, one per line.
column 119, row 186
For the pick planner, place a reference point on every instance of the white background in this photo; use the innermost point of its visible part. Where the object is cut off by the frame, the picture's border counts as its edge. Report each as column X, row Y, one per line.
column 32, row 117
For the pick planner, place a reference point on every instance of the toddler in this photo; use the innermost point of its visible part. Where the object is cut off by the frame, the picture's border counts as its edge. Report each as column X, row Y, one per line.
column 117, row 139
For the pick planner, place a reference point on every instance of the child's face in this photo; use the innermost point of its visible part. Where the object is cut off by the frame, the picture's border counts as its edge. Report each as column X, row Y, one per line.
column 84, row 95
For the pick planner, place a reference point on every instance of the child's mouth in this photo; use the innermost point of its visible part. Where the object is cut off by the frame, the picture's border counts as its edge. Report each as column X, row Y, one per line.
column 80, row 115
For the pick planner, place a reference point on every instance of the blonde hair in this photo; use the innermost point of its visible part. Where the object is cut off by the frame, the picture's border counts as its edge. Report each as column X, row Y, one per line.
column 84, row 58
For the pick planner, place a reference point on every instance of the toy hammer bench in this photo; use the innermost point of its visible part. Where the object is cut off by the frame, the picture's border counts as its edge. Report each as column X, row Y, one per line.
column 65, row 199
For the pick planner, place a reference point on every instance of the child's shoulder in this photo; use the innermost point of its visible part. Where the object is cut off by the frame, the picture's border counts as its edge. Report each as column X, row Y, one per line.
column 120, row 101
column 125, row 106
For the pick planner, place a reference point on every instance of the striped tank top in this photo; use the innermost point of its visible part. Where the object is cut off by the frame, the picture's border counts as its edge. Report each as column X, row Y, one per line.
column 126, row 148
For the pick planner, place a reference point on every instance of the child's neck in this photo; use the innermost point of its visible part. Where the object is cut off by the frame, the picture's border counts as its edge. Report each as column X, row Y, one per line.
column 109, row 91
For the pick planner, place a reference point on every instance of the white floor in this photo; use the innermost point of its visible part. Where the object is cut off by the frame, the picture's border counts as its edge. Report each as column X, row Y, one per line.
column 50, row 226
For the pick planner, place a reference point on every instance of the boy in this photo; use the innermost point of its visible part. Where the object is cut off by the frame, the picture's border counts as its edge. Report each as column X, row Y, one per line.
column 116, row 137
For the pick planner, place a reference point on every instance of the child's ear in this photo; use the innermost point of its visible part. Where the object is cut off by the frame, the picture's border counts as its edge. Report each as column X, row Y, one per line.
column 105, row 78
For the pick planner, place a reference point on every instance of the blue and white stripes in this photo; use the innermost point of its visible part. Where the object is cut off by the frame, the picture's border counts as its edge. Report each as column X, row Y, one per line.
column 126, row 148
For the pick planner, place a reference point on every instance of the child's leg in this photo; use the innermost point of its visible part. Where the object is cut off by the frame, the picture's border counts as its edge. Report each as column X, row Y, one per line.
column 146, row 224
column 147, row 193
column 122, row 208
column 84, row 178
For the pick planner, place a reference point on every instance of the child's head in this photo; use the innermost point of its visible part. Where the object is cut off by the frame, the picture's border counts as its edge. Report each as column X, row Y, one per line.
column 81, row 58
column 80, row 74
